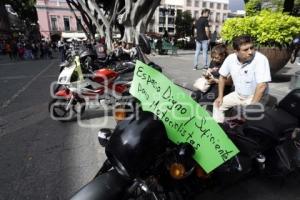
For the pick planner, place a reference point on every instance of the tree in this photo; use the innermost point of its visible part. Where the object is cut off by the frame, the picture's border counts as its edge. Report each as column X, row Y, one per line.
column 184, row 24
column 290, row 6
column 130, row 17
column 25, row 9
column 252, row 7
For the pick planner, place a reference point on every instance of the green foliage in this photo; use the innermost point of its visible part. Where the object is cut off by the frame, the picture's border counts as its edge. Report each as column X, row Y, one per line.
column 252, row 7
column 268, row 28
column 184, row 24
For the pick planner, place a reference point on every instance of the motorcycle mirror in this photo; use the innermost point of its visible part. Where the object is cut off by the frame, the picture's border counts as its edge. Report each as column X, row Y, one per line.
column 144, row 44
column 186, row 150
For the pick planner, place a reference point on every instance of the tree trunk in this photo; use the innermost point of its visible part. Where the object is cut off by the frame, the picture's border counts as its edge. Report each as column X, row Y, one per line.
column 288, row 6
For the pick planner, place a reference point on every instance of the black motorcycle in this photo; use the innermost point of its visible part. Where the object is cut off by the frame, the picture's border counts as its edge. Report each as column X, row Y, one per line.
column 142, row 163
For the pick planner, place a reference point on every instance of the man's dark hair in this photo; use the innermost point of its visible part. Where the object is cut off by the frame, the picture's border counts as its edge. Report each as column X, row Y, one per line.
column 206, row 10
column 240, row 40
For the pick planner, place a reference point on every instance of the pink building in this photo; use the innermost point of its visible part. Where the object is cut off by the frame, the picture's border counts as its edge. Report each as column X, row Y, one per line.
column 56, row 20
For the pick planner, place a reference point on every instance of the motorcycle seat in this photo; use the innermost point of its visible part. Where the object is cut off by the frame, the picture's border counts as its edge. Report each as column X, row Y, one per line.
column 274, row 124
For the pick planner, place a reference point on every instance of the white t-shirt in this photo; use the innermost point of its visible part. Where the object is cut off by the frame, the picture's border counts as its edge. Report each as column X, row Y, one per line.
column 246, row 76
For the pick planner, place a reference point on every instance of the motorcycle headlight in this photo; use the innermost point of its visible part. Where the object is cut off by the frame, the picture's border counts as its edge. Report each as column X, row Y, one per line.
column 62, row 79
column 177, row 170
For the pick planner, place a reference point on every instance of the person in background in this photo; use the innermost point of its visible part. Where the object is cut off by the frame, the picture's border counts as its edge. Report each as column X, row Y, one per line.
column 8, row 49
column 100, row 48
column 250, row 73
column 218, row 55
column 61, row 49
column 213, row 40
column 202, row 38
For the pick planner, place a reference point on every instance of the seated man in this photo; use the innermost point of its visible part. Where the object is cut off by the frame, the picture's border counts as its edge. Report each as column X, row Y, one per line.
column 250, row 73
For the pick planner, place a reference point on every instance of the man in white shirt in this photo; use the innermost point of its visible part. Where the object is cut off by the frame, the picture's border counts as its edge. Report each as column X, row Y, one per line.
column 250, row 72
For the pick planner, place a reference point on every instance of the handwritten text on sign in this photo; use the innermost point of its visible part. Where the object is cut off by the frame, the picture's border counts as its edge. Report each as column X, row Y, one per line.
column 184, row 119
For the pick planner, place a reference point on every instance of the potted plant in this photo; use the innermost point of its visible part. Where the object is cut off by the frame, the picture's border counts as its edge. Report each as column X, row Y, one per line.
column 273, row 32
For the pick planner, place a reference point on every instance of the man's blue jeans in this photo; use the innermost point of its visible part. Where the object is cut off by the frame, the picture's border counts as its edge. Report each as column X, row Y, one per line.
column 204, row 45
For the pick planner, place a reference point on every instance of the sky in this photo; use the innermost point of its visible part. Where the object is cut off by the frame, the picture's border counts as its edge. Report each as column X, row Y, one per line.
column 236, row 5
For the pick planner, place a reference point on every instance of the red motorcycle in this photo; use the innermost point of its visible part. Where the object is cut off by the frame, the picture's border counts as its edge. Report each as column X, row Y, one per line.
column 79, row 84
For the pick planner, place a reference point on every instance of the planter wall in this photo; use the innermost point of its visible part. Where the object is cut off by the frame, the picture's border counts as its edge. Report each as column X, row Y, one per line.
column 277, row 57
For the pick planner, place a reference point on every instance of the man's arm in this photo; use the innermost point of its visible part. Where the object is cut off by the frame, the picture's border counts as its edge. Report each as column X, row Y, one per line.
column 221, row 86
column 207, row 32
column 259, row 92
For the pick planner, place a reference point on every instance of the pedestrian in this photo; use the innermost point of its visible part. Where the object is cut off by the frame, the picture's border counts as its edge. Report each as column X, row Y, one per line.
column 250, row 73
column 101, row 49
column 218, row 55
column 213, row 40
column 202, row 38
column 166, row 35
column 8, row 49
column 62, row 49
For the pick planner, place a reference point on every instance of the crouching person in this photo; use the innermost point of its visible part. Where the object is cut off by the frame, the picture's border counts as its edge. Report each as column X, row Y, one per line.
column 250, row 73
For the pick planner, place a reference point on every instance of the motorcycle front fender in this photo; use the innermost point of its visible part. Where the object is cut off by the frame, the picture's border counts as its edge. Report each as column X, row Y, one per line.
column 107, row 186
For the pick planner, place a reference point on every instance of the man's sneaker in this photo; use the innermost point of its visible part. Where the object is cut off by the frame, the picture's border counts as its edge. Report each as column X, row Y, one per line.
column 195, row 68
column 205, row 67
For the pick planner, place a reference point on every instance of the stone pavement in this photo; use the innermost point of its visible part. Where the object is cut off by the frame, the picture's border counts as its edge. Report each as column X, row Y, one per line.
column 180, row 69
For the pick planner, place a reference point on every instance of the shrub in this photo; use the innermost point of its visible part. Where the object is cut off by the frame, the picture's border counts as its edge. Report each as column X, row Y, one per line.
column 267, row 28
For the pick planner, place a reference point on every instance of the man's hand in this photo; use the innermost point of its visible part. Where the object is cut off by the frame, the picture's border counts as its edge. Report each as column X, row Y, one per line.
column 211, row 81
column 218, row 102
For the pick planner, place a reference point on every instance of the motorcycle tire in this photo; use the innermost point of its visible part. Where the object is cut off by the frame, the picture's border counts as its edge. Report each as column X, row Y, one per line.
column 294, row 56
column 57, row 109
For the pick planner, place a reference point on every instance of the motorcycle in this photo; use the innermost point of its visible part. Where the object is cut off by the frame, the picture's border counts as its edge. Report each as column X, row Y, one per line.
column 142, row 163
column 295, row 47
column 84, row 79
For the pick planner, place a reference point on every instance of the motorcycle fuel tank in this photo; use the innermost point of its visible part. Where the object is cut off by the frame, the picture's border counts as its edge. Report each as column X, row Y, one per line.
column 105, row 76
column 136, row 143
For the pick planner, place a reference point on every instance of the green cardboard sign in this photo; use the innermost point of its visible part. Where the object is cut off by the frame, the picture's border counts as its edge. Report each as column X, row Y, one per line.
column 184, row 119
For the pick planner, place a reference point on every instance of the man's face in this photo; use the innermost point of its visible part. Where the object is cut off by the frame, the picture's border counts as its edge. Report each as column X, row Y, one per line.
column 206, row 14
column 246, row 52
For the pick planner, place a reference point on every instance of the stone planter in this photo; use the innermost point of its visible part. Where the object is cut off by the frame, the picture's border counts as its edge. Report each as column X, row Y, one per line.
column 277, row 57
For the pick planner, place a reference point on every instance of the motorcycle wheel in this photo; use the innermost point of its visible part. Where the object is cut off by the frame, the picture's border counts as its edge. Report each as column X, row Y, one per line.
column 58, row 110
column 294, row 56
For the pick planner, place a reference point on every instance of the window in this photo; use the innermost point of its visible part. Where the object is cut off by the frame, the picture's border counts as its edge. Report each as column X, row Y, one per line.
column 171, row 30
column 53, row 20
column 225, row 6
column 196, row 3
column 204, row 4
column 218, row 6
column 211, row 16
column 211, row 5
column 224, row 17
column 162, row 12
column 196, row 14
column 217, row 17
column 171, row 20
column 78, row 24
column 188, row 2
column 160, row 29
column 67, row 23
column 162, row 20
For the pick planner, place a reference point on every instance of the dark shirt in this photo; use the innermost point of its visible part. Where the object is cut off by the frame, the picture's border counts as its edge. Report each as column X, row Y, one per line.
column 214, row 64
column 201, row 23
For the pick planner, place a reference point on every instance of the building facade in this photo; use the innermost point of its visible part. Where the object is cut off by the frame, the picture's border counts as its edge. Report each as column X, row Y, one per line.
column 165, row 15
column 56, row 20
